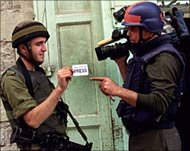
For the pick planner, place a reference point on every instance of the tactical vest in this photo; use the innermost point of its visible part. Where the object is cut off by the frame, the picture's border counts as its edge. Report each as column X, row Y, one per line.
column 135, row 120
column 40, row 88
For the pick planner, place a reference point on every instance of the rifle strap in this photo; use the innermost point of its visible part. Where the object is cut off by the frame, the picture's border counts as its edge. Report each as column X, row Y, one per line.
column 66, row 108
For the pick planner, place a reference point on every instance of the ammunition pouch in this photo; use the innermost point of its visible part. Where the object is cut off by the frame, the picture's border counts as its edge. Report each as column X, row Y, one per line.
column 22, row 136
column 56, row 142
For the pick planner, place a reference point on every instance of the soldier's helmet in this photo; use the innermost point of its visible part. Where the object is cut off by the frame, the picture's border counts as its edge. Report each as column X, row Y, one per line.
column 27, row 30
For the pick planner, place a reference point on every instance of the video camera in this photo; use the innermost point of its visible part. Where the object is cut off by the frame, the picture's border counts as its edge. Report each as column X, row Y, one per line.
column 117, row 50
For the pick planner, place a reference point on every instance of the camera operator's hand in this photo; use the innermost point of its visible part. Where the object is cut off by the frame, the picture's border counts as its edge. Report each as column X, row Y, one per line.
column 110, row 88
column 122, row 64
column 106, row 85
column 121, row 60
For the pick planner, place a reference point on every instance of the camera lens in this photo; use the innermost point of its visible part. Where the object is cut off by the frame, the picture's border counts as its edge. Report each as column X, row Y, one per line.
column 102, row 53
column 113, row 51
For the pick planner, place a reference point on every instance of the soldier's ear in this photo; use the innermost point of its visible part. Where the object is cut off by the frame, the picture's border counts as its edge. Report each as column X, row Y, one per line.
column 22, row 49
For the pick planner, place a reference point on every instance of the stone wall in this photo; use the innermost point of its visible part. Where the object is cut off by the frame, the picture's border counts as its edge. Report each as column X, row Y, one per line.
column 12, row 12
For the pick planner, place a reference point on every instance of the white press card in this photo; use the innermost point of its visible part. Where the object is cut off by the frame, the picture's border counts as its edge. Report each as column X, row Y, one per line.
column 80, row 70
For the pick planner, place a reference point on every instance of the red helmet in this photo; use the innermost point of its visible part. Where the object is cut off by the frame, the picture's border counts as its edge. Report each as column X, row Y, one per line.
column 144, row 14
column 27, row 30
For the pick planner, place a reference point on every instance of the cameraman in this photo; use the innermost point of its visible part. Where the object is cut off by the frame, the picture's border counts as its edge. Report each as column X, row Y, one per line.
column 152, row 82
column 30, row 99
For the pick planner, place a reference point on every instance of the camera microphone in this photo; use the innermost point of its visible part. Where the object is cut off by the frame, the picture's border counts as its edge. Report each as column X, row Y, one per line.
column 117, row 34
column 105, row 41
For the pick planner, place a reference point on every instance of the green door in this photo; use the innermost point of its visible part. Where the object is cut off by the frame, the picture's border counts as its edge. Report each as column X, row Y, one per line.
column 75, row 28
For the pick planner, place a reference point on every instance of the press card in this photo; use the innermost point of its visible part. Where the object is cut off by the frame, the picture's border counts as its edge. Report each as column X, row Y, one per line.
column 80, row 70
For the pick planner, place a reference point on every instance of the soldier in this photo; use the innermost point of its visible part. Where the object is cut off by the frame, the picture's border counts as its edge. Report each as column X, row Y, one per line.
column 30, row 99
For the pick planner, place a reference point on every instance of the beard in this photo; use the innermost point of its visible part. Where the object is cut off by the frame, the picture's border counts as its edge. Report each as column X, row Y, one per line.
column 34, row 61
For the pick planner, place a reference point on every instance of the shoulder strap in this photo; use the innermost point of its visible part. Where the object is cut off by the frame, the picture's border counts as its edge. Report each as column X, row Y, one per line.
column 163, row 48
column 26, row 75
column 170, row 49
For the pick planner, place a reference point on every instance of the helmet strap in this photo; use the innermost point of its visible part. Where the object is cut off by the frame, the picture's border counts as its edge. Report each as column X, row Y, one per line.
column 141, row 40
column 136, row 46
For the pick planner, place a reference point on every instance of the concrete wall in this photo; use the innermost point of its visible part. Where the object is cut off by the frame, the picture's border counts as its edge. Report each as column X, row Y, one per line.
column 12, row 12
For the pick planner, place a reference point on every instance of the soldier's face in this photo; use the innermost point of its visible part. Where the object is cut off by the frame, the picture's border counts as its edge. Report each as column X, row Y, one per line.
column 38, row 48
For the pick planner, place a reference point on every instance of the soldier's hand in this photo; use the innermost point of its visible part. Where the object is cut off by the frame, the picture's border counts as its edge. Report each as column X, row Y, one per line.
column 64, row 76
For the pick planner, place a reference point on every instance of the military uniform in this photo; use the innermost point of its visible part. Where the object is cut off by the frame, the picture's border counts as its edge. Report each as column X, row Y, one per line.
column 17, row 96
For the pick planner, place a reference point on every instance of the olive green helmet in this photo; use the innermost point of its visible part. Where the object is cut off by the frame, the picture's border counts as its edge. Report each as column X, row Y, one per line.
column 27, row 30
